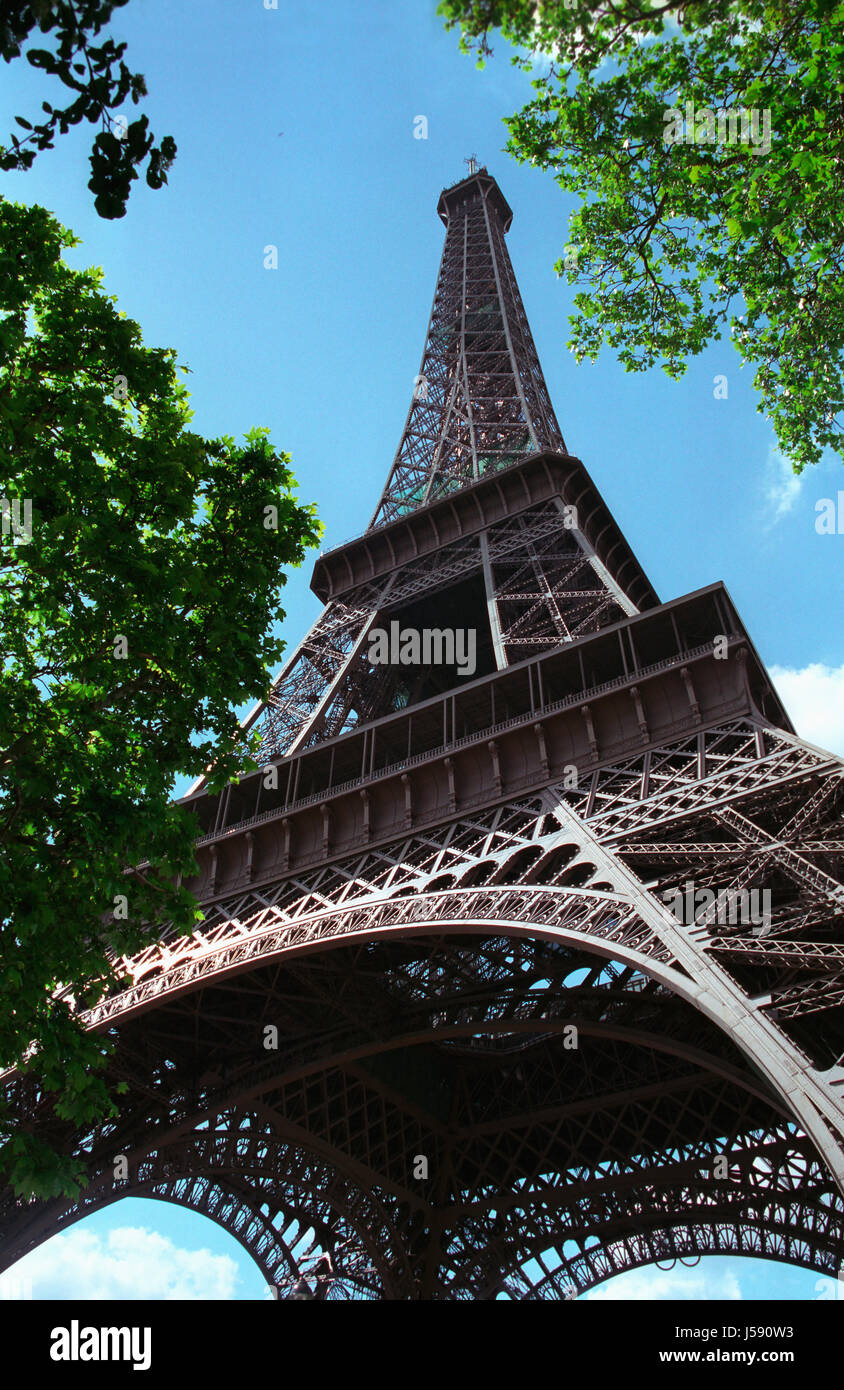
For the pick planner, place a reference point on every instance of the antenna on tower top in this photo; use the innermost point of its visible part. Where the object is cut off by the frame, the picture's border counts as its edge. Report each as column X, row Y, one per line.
column 472, row 163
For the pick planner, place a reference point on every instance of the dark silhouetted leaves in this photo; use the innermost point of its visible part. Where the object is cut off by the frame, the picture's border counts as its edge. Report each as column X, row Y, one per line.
column 98, row 75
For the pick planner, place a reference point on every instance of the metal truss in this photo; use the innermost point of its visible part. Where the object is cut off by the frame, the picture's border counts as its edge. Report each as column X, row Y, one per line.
column 542, row 589
column 422, row 992
column 480, row 400
column 479, row 1057
column 307, row 685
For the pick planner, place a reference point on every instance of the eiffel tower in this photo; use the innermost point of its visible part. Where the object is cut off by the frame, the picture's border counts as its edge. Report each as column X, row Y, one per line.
column 510, row 978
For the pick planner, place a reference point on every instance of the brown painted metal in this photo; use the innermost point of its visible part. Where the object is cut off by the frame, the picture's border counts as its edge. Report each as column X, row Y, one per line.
column 363, row 1064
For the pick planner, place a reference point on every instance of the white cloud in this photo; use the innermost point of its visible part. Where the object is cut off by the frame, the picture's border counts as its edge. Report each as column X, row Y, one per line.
column 781, row 485
column 128, row 1262
column 649, row 1284
column 814, row 698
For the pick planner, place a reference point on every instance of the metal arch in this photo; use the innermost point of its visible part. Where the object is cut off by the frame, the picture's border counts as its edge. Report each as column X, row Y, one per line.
column 481, row 911
column 233, row 1200
column 165, row 1161
column 233, row 1212
column 503, row 836
column 273, row 1255
column 701, row 982
column 747, row 1220
column 592, row 819
column 693, row 1243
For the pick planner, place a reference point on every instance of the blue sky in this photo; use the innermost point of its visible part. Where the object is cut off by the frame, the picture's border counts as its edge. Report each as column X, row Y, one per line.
column 295, row 128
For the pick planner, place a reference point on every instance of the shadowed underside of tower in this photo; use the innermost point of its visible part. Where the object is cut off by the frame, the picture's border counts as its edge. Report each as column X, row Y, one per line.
column 440, row 1035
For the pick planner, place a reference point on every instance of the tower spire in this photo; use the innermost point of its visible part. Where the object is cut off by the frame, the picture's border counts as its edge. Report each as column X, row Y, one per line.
column 479, row 401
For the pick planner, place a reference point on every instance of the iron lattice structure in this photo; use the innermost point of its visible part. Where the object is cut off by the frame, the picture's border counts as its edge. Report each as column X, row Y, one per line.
column 364, row 1064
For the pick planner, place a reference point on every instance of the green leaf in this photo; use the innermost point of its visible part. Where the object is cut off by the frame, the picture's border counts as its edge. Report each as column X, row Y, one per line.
column 127, row 536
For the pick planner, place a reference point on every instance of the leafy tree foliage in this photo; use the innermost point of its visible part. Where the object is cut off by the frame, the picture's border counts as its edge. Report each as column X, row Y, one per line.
column 98, row 76
column 679, row 240
column 135, row 610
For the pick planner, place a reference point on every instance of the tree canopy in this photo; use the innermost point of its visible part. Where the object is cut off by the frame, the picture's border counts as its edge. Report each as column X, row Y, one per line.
column 139, row 573
column 706, row 142
column 101, row 82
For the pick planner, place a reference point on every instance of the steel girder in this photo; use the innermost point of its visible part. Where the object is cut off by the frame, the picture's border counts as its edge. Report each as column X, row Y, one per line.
column 543, row 589
column 422, row 993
